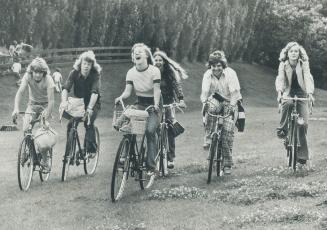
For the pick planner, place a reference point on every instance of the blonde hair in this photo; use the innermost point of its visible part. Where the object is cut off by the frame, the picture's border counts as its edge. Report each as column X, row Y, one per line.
column 302, row 53
column 147, row 51
column 180, row 73
column 38, row 64
column 88, row 56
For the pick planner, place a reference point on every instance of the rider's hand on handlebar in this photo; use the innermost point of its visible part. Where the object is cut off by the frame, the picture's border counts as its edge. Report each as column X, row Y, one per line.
column 118, row 100
column 279, row 97
column 156, row 108
column 14, row 116
column 182, row 104
column 63, row 105
column 311, row 99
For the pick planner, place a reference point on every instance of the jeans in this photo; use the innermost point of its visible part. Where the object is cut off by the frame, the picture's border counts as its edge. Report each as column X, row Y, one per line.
column 302, row 109
column 32, row 108
column 171, row 139
column 150, row 134
column 90, row 141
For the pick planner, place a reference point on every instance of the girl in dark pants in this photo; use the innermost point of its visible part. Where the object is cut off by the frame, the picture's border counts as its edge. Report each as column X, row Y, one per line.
column 171, row 91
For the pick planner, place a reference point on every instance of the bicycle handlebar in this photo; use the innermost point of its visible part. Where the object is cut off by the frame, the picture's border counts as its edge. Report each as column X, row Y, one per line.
column 173, row 105
column 219, row 116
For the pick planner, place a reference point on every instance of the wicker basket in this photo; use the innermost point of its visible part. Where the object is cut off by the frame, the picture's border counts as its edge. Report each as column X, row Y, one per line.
column 136, row 121
column 138, row 125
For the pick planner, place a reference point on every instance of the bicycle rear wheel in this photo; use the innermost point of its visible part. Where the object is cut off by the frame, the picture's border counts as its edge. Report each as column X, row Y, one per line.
column 212, row 153
column 91, row 161
column 44, row 176
column 69, row 154
column 161, row 162
column 25, row 164
column 120, row 170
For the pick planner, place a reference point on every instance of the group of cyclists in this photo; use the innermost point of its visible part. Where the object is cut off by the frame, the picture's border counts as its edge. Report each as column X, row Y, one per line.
column 156, row 80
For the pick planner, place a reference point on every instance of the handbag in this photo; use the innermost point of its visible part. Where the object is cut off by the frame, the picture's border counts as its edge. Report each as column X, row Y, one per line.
column 240, row 122
column 175, row 128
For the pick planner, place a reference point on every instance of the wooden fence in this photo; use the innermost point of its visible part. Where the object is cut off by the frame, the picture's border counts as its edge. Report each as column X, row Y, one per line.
column 62, row 57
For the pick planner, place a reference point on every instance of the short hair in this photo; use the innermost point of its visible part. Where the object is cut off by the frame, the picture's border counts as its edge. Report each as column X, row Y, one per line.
column 302, row 53
column 88, row 56
column 215, row 59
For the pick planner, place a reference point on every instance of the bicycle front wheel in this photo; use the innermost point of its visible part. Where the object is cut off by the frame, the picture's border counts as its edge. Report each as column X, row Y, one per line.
column 69, row 154
column 163, row 149
column 25, row 164
column 212, row 153
column 294, row 146
column 220, row 159
column 44, row 175
column 91, row 161
column 120, row 170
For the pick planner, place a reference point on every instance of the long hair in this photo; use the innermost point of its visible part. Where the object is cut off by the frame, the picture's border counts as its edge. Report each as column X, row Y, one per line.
column 90, row 57
column 38, row 64
column 147, row 51
column 302, row 53
column 170, row 65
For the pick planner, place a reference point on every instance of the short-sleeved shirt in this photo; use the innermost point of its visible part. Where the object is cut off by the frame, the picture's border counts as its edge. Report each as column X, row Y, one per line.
column 57, row 77
column 143, row 81
column 225, row 85
column 38, row 92
column 84, row 87
column 16, row 67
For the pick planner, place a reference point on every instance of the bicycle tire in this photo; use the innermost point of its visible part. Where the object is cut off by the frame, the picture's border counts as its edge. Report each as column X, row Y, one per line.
column 212, row 153
column 146, row 181
column 90, row 164
column 117, row 189
column 161, row 162
column 44, row 176
column 295, row 147
column 25, row 162
column 220, row 159
column 69, row 154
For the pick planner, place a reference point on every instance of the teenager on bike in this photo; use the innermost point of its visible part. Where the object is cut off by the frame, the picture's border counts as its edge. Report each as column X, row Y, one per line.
column 144, row 78
column 294, row 79
column 41, row 95
column 85, row 79
column 222, row 80
column 171, row 91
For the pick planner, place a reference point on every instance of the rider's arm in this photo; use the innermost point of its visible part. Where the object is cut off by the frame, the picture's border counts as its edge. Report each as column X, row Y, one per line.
column 20, row 92
column 127, row 92
column 50, row 92
column 156, row 93
column 206, row 81
column 93, row 100
column 64, row 95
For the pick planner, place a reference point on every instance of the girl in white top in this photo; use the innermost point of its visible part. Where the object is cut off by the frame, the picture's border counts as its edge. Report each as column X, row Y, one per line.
column 144, row 78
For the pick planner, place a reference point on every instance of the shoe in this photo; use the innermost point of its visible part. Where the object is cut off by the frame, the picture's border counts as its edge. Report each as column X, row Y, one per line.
column 121, row 162
column 91, row 155
column 150, row 172
column 302, row 162
column 281, row 133
column 126, row 129
column 45, row 165
column 170, row 164
column 206, row 146
column 227, row 170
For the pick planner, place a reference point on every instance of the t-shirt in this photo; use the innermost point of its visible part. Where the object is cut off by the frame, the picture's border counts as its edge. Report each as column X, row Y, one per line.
column 16, row 67
column 57, row 77
column 143, row 81
column 38, row 92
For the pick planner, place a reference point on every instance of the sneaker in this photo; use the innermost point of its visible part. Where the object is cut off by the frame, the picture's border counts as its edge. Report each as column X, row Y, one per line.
column 170, row 164
column 206, row 146
column 150, row 172
column 281, row 133
column 121, row 162
column 227, row 170
column 302, row 162
column 126, row 128
column 45, row 164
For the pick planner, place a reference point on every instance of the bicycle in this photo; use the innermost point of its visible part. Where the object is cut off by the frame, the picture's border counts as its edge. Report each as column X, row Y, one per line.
column 130, row 158
column 292, row 143
column 29, row 160
column 163, row 144
column 74, row 156
column 215, row 149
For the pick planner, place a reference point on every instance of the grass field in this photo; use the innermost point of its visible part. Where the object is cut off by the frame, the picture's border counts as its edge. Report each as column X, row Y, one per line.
column 260, row 194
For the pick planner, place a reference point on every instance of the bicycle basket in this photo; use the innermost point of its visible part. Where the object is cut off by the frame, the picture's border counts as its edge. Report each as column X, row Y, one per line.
column 118, row 119
column 45, row 139
column 138, row 119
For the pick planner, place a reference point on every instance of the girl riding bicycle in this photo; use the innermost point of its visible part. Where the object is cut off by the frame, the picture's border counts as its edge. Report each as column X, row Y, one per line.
column 145, row 78
column 171, row 91
column 294, row 79
column 222, row 80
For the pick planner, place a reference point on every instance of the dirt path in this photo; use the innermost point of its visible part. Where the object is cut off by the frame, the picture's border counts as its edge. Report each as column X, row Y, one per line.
column 259, row 194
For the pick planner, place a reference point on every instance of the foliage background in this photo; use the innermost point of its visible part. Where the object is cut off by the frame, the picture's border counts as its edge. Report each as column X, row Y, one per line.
column 252, row 30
